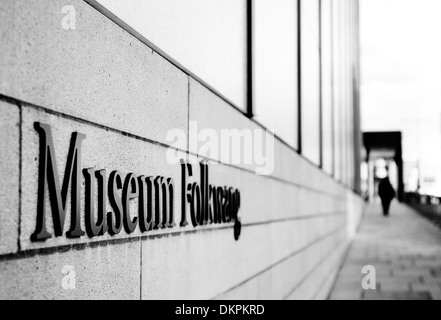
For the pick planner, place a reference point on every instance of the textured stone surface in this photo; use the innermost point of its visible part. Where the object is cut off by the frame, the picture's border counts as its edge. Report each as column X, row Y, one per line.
column 101, row 149
column 98, row 72
column 104, row 272
column 9, row 168
column 211, row 112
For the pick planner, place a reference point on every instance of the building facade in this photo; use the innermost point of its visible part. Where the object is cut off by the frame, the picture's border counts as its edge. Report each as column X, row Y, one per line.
column 109, row 189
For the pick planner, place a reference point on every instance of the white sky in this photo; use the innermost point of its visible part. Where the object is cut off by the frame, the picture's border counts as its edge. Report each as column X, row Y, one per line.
column 401, row 75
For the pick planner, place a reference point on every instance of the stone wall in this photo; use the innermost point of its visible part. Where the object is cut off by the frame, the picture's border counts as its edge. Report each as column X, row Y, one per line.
column 100, row 81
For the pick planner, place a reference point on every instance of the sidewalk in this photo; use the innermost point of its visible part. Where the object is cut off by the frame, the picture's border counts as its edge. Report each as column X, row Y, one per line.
column 405, row 250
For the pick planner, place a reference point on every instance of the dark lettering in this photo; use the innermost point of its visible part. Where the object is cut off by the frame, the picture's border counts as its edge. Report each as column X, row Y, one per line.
column 48, row 176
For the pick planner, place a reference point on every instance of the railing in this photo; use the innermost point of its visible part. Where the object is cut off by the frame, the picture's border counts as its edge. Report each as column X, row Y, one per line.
column 428, row 206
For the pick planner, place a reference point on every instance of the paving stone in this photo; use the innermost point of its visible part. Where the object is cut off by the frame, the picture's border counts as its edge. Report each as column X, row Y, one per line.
column 405, row 251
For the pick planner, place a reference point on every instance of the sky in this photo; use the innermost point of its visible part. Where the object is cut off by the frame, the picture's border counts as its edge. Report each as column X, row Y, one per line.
column 401, row 78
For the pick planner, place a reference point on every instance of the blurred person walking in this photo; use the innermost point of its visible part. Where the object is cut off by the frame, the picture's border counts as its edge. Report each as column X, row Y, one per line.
column 387, row 194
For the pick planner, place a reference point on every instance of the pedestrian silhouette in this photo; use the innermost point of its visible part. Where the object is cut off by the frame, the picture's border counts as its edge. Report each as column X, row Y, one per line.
column 387, row 194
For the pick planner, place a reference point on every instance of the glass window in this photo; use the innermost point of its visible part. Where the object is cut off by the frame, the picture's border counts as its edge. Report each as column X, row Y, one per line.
column 327, row 103
column 207, row 37
column 310, row 79
column 275, row 66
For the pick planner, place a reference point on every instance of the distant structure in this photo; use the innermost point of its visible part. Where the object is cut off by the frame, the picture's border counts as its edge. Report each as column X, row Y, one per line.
column 387, row 146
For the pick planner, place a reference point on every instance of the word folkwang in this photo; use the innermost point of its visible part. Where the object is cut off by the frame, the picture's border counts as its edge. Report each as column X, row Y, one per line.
column 202, row 203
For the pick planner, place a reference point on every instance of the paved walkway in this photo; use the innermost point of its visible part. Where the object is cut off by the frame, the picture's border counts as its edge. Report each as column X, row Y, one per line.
column 405, row 250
